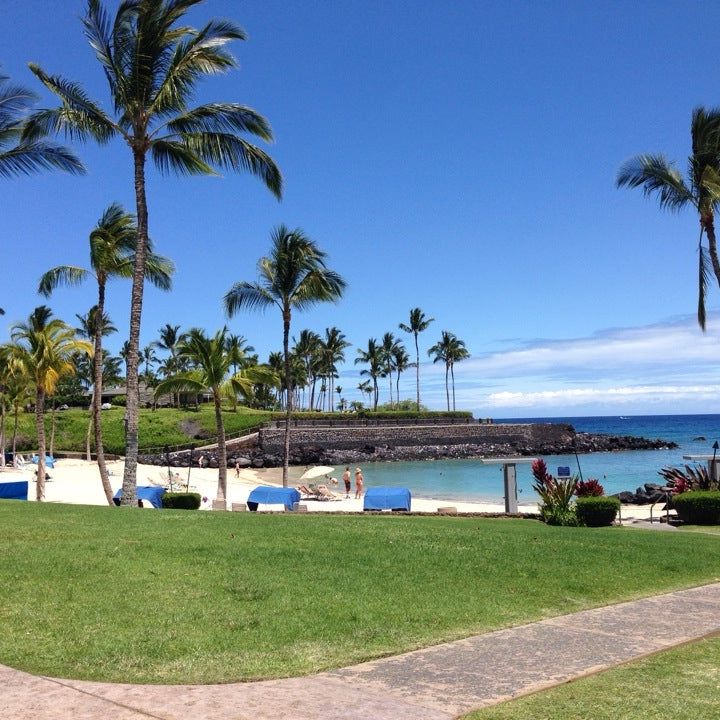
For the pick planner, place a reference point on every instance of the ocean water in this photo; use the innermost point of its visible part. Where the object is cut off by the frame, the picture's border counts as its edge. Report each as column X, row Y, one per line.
column 469, row 480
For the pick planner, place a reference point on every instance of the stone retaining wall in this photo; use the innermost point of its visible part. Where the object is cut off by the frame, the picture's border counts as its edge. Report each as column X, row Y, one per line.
column 271, row 439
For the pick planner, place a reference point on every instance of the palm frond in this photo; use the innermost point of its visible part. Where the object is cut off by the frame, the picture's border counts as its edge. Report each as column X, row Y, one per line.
column 177, row 157
column 655, row 174
column 29, row 157
column 222, row 117
column 159, row 271
column 247, row 295
column 61, row 275
column 228, row 151
column 191, row 381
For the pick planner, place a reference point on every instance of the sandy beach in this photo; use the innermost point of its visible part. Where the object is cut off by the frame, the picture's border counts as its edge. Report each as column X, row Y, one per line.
column 78, row 482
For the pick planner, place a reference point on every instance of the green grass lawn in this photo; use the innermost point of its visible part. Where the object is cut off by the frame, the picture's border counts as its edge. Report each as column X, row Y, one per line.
column 173, row 596
column 164, row 426
column 680, row 683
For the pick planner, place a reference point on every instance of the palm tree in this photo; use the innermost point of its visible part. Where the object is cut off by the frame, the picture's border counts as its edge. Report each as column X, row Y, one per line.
column 332, row 351
column 365, row 387
column 401, row 362
column 211, row 364
column 44, row 348
column 294, row 275
column 418, row 323
column 373, row 356
column 308, row 348
column 388, row 347
column 153, row 63
column 20, row 156
column 701, row 190
column 450, row 349
column 113, row 253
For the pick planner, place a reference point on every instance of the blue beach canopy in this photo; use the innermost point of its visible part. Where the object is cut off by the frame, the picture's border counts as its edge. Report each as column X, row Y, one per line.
column 151, row 493
column 14, row 490
column 387, row 498
column 273, row 496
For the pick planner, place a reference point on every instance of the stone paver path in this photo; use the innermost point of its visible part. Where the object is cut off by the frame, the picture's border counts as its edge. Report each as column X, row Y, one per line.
column 438, row 683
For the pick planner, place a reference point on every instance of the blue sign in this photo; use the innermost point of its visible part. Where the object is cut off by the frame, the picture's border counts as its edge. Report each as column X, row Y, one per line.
column 564, row 471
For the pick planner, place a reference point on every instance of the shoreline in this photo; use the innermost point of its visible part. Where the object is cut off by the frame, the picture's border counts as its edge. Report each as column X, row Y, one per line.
column 78, row 482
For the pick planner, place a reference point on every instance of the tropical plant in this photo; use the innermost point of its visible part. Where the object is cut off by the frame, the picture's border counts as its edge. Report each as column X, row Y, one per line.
column 292, row 276
column 418, row 323
column 449, row 350
column 211, row 365
column 556, row 495
column 700, row 190
column 589, row 488
column 22, row 156
column 389, row 345
column 113, row 253
column 153, row 63
column 332, row 352
column 688, row 478
column 373, row 357
column 43, row 349
column 401, row 362
column 596, row 511
column 308, row 349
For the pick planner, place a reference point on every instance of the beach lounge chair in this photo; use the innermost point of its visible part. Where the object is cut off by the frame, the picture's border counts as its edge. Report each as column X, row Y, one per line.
column 324, row 493
column 307, row 492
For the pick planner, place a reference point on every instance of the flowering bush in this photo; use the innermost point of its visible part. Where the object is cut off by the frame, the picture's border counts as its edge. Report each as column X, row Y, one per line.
column 556, row 495
column 691, row 478
column 589, row 488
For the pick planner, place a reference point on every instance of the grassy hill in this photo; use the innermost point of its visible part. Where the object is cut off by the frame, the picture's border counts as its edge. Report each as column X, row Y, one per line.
column 164, row 426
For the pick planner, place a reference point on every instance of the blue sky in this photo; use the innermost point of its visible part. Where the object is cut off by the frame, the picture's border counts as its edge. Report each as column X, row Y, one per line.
column 456, row 156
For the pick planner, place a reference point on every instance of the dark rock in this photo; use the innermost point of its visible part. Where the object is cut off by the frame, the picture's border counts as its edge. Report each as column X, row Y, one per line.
column 700, row 438
column 257, row 463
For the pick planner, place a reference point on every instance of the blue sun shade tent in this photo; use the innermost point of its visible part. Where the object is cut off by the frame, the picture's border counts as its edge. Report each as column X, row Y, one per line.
column 387, row 498
column 14, row 490
column 151, row 493
column 49, row 461
column 272, row 496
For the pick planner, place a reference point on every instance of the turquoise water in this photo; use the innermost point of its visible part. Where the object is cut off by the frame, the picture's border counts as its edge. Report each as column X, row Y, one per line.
column 469, row 480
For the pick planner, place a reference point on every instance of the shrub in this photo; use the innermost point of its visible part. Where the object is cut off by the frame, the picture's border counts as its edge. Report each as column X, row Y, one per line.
column 181, row 501
column 118, row 400
column 698, row 507
column 555, row 494
column 589, row 488
column 596, row 511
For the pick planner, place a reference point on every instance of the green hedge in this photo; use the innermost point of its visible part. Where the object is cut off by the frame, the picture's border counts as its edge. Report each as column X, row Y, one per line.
column 597, row 511
column 698, row 507
column 378, row 415
column 181, row 501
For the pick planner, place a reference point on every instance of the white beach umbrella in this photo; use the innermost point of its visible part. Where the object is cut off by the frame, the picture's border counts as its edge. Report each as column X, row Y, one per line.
column 317, row 471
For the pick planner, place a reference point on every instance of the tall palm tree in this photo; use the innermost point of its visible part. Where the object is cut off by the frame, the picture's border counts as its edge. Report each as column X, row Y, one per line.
column 20, row 156
column 44, row 348
column 388, row 346
column 211, row 365
column 449, row 350
column 401, row 362
column 332, row 350
column 293, row 276
column 365, row 387
column 418, row 323
column 153, row 63
column 373, row 356
column 113, row 254
column 701, row 190
column 307, row 348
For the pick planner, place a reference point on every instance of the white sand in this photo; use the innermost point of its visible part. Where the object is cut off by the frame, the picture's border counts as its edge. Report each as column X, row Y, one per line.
column 78, row 482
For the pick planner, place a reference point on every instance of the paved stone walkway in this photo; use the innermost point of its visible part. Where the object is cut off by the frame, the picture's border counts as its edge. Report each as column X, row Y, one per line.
column 438, row 683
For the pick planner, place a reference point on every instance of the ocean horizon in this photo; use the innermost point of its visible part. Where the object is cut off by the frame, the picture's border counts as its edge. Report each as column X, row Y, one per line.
column 470, row 481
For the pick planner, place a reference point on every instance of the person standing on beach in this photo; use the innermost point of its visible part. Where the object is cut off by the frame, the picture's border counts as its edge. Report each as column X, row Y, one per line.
column 359, row 481
column 346, row 480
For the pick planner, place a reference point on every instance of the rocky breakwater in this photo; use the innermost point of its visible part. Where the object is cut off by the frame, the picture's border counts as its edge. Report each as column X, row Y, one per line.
column 342, row 446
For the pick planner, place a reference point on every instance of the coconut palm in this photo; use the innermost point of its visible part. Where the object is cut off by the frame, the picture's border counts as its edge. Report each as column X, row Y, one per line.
column 700, row 190
column 401, row 362
column 153, row 63
column 373, row 356
column 389, row 345
column 293, row 276
column 211, row 365
column 44, row 348
column 20, row 156
column 449, row 350
column 418, row 323
column 113, row 254
column 332, row 352
column 307, row 348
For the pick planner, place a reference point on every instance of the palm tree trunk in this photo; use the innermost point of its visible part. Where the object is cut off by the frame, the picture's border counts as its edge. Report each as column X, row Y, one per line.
column 397, row 389
column 375, row 393
column 14, row 439
column 222, row 450
column 288, row 394
column 40, row 427
column 129, row 489
column 311, row 406
column 447, row 388
column 88, row 434
column 390, row 378
column 2, row 434
column 452, row 375
column 52, row 430
column 708, row 223
column 97, row 398
column 417, row 371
